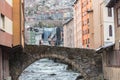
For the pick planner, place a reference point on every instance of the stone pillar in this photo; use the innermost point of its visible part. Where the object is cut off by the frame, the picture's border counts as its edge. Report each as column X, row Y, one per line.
column 1, row 70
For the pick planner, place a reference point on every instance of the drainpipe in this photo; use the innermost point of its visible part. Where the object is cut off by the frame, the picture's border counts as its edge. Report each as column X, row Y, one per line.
column 22, row 23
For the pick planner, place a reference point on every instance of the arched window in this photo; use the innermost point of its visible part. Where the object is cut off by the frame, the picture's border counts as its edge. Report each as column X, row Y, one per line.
column 110, row 30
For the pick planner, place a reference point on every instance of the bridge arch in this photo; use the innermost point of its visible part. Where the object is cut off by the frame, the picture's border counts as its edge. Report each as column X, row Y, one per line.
column 78, row 58
column 59, row 57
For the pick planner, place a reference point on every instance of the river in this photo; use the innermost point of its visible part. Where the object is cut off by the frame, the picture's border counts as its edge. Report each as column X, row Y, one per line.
column 45, row 69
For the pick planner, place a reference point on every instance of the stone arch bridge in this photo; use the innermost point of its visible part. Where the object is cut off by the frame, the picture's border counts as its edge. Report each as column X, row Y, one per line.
column 86, row 61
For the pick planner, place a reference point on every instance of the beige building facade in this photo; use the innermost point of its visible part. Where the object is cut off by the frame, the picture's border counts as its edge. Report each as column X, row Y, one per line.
column 93, row 24
column 117, row 25
column 69, row 33
column 77, row 24
column 103, row 24
column 111, row 57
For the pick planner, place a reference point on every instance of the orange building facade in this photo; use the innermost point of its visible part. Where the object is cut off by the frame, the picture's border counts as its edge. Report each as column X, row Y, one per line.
column 86, row 6
column 18, row 22
column 81, row 23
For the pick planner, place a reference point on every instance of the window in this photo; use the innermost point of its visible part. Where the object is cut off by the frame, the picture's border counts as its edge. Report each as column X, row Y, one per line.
column 3, row 21
column 88, row 40
column 87, row 46
column 87, row 20
column 118, row 16
column 110, row 12
column 83, row 42
column 110, row 30
column 83, row 32
column 88, row 31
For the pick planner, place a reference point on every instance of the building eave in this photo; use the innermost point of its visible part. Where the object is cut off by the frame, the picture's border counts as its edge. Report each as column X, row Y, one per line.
column 67, row 21
column 108, row 46
column 75, row 1
column 111, row 3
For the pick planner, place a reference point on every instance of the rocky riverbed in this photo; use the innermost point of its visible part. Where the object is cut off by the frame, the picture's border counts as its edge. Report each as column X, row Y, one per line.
column 46, row 69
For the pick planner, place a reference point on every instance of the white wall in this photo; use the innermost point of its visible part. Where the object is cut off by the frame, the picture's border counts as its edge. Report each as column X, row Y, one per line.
column 107, row 38
column 106, row 22
column 8, row 25
column 10, row 2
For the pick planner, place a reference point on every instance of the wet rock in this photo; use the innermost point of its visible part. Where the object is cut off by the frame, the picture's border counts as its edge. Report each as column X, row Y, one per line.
column 52, row 74
column 79, row 78
column 46, row 69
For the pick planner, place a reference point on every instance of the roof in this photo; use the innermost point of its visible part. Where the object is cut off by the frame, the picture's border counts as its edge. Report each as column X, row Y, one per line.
column 111, row 3
column 101, row 49
column 75, row 1
column 67, row 21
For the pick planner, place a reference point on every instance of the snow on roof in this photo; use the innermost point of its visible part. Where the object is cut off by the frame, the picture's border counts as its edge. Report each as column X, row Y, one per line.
column 100, row 49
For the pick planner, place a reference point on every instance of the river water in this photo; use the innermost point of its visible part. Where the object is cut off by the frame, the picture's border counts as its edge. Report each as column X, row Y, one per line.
column 46, row 69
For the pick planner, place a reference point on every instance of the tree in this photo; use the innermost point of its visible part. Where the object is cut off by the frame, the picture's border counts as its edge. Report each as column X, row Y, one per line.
column 40, row 24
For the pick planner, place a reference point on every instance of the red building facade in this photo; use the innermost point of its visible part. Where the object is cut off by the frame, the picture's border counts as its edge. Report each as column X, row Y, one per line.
column 5, row 37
